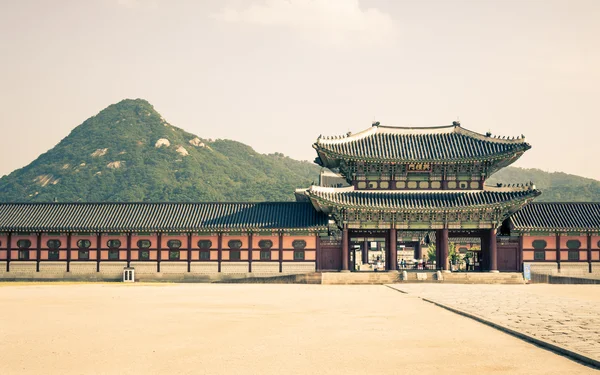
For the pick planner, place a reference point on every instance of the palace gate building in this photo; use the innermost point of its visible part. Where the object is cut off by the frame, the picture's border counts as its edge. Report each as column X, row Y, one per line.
column 385, row 194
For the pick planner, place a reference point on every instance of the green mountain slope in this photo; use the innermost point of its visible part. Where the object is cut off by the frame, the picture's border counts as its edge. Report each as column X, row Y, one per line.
column 555, row 186
column 128, row 152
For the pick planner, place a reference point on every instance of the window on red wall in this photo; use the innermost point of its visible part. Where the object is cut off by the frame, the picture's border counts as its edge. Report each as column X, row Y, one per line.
column 23, row 254
column 174, row 244
column 205, row 255
column 299, row 244
column 265, row 244
column 113, row 254
column 144, row 244
column 113, row 244
column 84, row 244
column 204, row 244
column 53, row 254
column 83, row 255
column 234, row 244
column 23, row 244
column 53, row 244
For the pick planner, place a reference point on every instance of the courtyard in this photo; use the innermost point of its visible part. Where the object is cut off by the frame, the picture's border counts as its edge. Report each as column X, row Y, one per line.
column 107, row 328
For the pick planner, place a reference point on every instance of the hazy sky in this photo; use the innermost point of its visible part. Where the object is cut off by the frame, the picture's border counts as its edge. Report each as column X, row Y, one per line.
column 277, row 73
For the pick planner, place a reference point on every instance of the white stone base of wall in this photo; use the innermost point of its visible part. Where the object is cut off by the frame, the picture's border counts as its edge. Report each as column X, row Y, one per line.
column 173, row 267
column 2, row 269
column 52, row 270
column 112, row 269
column 595, row 268
column 82, row 268
column 574, row 269
column 265, row 267
column 22, row 269
column 300, row 267
column 204, row 267
column 234, row 267
column 544, row 268
column 144, row 268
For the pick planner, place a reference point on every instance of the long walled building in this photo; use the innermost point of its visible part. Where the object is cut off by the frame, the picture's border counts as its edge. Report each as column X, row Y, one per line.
column 382, row 190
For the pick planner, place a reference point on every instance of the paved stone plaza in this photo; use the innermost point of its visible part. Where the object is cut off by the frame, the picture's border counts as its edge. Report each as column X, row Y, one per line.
column 251, row 329
column 564, row 315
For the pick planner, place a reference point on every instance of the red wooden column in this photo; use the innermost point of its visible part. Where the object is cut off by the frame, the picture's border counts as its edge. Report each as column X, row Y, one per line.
column 520, row 253
column 345, row 255
column 418, row 251
column 158, row 256
column 189, row 252
column 219, row 251
column 38, row 253
column 365, row 252
column 8, row 251
column 393, row 245
column 493, row 250
column 98, row 251
column 438, row 249
column 280, row 252
column 69, row 252
column 318, row 252
column 589, row 252
column 250, row 252
column 444, row 250
column 558, row 250
column 128, row 249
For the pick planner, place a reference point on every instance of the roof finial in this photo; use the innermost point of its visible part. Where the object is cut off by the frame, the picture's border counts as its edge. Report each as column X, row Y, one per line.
column 456, row 123
column 375, row 123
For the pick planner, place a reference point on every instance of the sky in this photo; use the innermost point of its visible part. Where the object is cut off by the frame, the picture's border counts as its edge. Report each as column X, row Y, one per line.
column 275, row 74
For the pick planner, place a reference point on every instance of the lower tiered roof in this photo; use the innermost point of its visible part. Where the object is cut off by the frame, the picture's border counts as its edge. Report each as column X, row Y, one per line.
column 159, row 217
column 402, row 200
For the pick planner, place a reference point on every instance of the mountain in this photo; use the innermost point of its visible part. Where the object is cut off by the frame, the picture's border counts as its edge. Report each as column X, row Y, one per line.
column 128, row 152
column 555, row 186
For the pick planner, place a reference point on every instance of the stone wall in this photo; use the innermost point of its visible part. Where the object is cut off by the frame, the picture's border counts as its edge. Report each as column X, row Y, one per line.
column 265, row 267
column 82, row 268
column 303, row 267
column 237, row 267
column 144, row 268
column 147, row 270
column 544, row 268
column 574, row 269
column 112, row 270
column 52, row 270
column 204, row 268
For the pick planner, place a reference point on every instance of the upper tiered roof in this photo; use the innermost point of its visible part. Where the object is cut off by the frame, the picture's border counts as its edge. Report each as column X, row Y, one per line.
column 406, row 144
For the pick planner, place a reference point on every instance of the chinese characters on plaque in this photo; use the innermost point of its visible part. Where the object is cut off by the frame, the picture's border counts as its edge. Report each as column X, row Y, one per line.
column 418, row 167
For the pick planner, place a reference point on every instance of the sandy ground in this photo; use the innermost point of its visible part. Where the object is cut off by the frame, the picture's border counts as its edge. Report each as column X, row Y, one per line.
column 250, row 329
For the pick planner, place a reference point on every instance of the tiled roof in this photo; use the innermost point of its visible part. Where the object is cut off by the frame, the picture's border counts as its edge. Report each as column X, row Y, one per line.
column 161, row 217
column 444, row 143
column 557, row 216
column 420, row 200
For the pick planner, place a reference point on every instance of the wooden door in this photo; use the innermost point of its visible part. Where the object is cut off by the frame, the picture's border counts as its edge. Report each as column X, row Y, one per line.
column 507, row 257
column 331, row 258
